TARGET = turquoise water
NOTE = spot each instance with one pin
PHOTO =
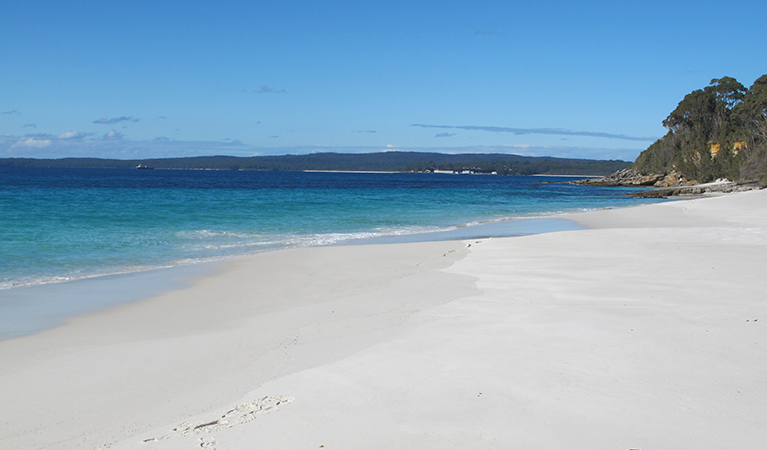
(66, 224)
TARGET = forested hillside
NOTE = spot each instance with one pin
(719, 131)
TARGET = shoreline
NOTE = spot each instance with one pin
(348, 171)
(27, 310)
(30, 309)
(404, 235)
(646, 330)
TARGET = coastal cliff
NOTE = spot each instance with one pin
(716, 141)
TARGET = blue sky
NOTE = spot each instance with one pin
(157, 79)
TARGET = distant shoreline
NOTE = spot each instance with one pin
(380, 162)
(349, 171)
(573, 176)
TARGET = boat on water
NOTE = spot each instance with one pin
(144, 167)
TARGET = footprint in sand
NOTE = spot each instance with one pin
(240, 414)
(208, 443)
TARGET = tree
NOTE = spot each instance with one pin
(752, 112)
(727, 90)
(694, 111)
(728, 93)
(707, 111)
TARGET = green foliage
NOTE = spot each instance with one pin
(752, 112)
(714, 132)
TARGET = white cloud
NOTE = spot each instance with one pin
(33, 143)
(73, 135)
(113, 135)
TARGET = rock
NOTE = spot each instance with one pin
(625, 177)
(670, 184)
(697, 189)
(672, 179)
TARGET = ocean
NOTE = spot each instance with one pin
(58, 226)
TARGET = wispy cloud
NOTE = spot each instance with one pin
(105, 121)
(440, 135)
(13, 111)
(29, 125)
(268, 90)
(554, 131)
(367, 131)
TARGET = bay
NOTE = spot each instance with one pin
(75, 241)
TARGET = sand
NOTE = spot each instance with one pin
(645, 331)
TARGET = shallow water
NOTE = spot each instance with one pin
(58, 226)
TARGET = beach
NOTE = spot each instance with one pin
(647, 330)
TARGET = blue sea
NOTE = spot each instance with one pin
(62, 225)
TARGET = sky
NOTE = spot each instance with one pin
(144, 79)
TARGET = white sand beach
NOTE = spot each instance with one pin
(646, 331)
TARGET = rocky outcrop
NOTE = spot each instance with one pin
(668, 184)
(632, 178)
(720, 186)
(673, 179)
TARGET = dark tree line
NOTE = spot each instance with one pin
(546, 166)
(714, 132)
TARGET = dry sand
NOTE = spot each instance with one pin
(646, 331)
